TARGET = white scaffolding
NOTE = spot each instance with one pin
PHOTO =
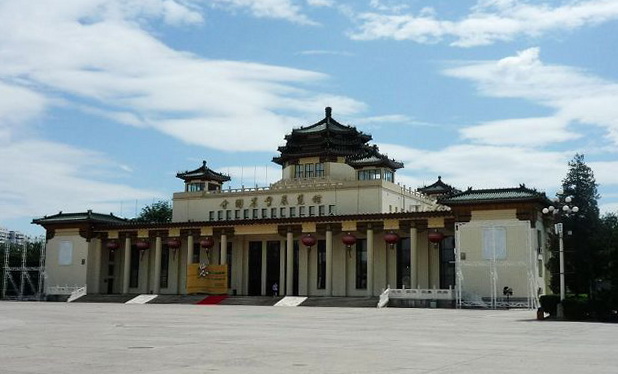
(20, 280)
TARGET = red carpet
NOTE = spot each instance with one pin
(212, 300)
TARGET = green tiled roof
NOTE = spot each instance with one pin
(520, 193)
(79, 217)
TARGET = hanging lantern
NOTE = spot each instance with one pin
(391, 239)
(435, 237)
(309, 241)
(173, 243)
(208, 242)
(349, 240)
(142, 245)
(113, 245)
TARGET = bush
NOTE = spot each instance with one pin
(576, 308)
(549, 303)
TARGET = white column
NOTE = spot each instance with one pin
(413, 256)
(370, 262)
(126, 265)
(282, 268)
(289, 280)
(263, 278)
(329, 262)
(156, 285)
(223, 254)
(95, 287)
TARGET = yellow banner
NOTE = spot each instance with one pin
(208, 279)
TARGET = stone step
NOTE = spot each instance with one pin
(178, 299)
(251, 300)
(103, 298)
(342, 302)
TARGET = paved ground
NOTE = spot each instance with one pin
(116, 338)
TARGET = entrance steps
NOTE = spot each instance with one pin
(178, 299)
(105, 298)
(251, 300)
(342, 302)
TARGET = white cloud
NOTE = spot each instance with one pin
(480, 166)
(47, 177)
(527, 132)
(278, 9)
(320, 52)
(489, 21)
(321, 3)
(577, 98)
(142, 82)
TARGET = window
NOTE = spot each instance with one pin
(264, 213)
(494, 243)
(319, 169)
(219, 215)
(308, 170)
(195, 258)
(245, 214)
(332, 210)
(292, 211)
(301, 211)
(237, 214)
(369, 174)
(361, 264)
(321, 210)
(255, 214)
(273, 212)
(321, 264)
(211, 215)
(298, 171)
(193, 187)
(282, 212)
(311, 211)
(389, 176)
(228, 215)
(65, 253)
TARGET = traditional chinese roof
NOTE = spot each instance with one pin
(438, 188)
(326, 138)
(515, 194)
(370, 156)
(203, 173)
(88, 216)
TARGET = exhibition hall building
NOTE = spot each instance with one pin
(337, 224)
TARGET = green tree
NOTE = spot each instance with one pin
(161, 211)
(582, 259)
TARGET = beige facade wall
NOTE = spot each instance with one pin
(66, 259)
(512, 271)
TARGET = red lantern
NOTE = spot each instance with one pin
(435, 237)
(308, 240)
(207, 242)
(113, 245)
(173, 243)
(349, 240)
(391, 239)
(142, 245)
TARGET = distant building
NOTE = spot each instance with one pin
(335, 224)
(11, 236)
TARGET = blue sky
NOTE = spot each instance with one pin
(103, 101)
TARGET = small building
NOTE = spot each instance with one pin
(337, 223)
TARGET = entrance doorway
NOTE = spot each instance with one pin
(255, 269)
(272, 265)
(403, 264)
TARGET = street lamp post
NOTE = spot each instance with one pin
(563, 207)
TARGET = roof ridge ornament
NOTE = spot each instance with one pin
(328, 111)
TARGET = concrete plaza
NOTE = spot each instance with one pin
(117, 338)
